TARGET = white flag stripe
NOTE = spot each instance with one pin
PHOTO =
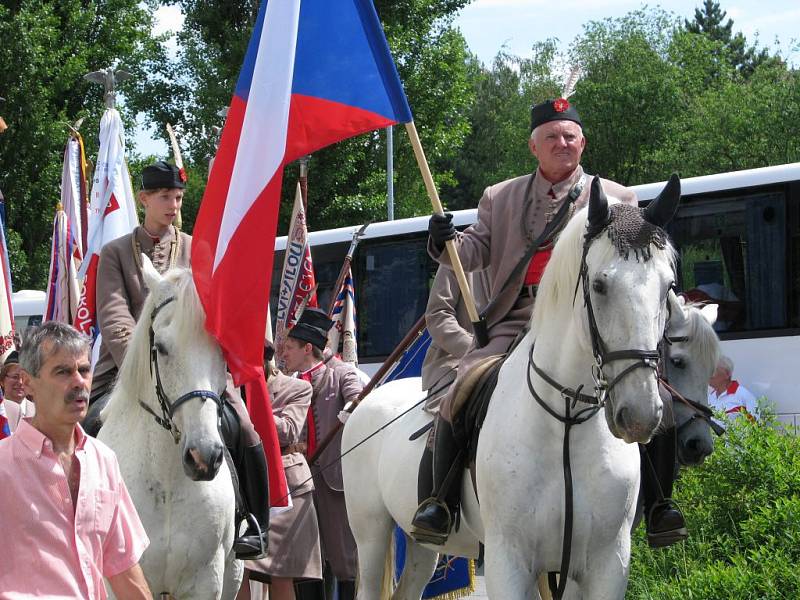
(262, 141)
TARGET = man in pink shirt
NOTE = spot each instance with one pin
(67, 519)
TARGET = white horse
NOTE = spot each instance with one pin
(691, 356)
(181, 487)
(520, 507)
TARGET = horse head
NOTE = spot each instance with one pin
(691, 356)
(186, 374)
(612, 268)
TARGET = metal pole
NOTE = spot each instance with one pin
(304, 182)
(390, 172)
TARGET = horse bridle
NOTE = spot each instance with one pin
(602, 389)
(168, 408)
(699, 410)
(602, 356)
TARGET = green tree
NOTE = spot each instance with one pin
(47, 48)
(709, 22)
(629, 95)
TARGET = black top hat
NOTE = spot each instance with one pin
(312, 327)
(553, 110)
(163, 175)
(12, 358)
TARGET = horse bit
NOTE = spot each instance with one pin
(168, 408)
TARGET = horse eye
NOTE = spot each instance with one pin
(678, 362)
(161, 349)
(599, 286)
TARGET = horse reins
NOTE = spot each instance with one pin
(643, 359)
(168, 408)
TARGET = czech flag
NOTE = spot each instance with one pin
(316, 72)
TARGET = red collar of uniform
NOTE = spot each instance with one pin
(306, 375)
(732, 387)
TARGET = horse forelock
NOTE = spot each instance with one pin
(557, 286)
(188, 316)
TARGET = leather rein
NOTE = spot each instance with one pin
(602, 388)
(168, 407)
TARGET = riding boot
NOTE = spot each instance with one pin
(433, 520)
(254, 485)
(347, 590)
(664, 520)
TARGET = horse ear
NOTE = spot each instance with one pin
(599, 214)
(151, 277)
(709, 311)
(661, 210)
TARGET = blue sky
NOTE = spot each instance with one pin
(489, 25)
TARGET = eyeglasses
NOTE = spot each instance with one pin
(15, 377)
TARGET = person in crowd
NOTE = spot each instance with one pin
(73, 523)
(16, 402)
(121, 293)
(294, 548)
(727, 395)
(511, 215)
(334, 384)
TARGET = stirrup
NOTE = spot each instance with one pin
(425, 535)
(245, 550)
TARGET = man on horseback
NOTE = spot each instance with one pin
(513, 216)
(121, 292)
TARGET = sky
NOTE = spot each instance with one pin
(514, 25)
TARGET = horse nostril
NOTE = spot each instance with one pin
(621, 418)
(188, 459)
(218, 459)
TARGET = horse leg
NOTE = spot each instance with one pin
(419, 568)
(606, 576)
(232, 579)
(375, 559)
(510, 575)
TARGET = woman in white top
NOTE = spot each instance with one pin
(17, 405)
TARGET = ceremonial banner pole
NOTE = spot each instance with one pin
(478, 324)
(376, 379)
(176, 152)
(348, 260)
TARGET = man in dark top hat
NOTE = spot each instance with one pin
(334, 384)
(511, 214)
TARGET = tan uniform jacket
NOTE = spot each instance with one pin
(498, 241)
(335, 384)
(121, 292)
(291, 399)
(450, 328)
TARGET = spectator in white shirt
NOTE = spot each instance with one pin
(727, 395)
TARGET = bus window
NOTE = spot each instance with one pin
(732, 252)
(392, 283)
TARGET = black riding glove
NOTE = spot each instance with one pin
(440, 228)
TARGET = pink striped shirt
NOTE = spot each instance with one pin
(50, 549)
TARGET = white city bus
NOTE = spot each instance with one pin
(738, 236)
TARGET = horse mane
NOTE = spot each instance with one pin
(701, 332)
(134, 377)
(561, 274)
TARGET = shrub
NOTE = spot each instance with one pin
(743, 513)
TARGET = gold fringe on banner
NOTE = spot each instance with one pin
(461, 592)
